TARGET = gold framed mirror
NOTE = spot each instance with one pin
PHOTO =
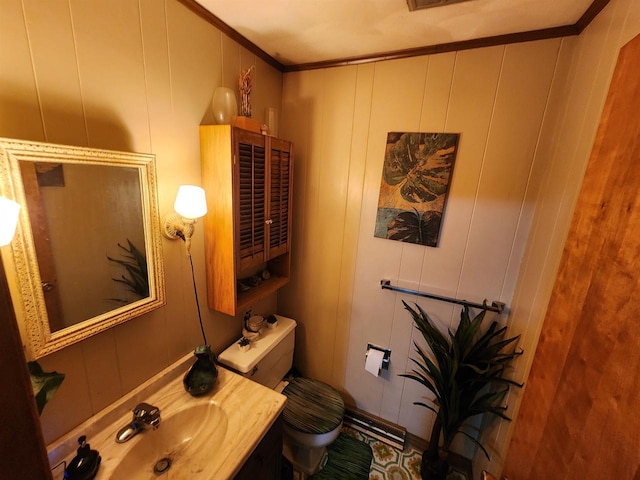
(87, 251)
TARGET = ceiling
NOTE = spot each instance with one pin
(298, 32)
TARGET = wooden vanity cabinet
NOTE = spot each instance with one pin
(265, 463)
(248, 179)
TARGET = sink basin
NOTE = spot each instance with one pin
(181, 447)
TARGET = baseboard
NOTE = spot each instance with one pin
(416, 442)
(375, 427)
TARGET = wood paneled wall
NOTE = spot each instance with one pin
(339, 118)
(578, 418)
(134, 75)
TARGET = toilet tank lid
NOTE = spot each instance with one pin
(245, 361)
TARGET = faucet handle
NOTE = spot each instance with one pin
(143, 409)
(147, 414)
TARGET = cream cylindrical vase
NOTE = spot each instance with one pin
(271, 119)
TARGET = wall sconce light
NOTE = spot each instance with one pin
(190, 205)
(9, 212)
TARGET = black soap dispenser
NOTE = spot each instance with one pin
(203, 374)
(84, 465)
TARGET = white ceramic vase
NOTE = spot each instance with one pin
(224, 105)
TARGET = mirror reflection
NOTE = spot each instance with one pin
(86, 254)
(89, 238)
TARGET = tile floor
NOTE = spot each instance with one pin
(390, 463)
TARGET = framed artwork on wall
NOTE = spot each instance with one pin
(415, 182)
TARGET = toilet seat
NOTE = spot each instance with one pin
(313, 407)
(312, 420)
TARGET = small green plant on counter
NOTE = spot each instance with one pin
(465, 373)
(136, 278)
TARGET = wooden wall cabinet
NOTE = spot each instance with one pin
(248, 179)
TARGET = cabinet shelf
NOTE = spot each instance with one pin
(267, 287)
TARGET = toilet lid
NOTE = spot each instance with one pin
(312, 407)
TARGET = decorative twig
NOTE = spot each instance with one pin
(245, 84)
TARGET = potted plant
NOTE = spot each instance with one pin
(465, 374)
(135, 264)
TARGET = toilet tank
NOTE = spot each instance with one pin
(270, 356)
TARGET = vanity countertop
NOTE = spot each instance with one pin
(250, 410)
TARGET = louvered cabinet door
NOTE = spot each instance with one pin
(251, 163)
(279, 200)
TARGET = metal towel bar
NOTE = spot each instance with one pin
(497, 307)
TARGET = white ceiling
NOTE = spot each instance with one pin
(306, 31)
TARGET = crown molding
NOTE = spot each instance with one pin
(563, 31)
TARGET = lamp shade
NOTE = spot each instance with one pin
(9, 211)
(191, 202)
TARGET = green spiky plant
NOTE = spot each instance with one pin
(137, 276)
(465, 373)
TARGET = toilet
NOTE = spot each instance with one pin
(312, 418)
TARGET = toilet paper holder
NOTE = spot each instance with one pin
(386, 357)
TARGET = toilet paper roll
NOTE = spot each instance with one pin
(373, 362)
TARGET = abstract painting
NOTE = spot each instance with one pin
(415, 182)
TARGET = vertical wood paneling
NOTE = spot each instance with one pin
(580, 347)
(231, 65)
(157, 80)
(630, 21)
(509, 172)
(534, 263)
(471, 98)
(112, 82)
(476, 93)
(100, 361)
(584, 71)
(312, 228)
(140, 75)
(267, 81)
(114, 90)
(297, 105)
(195, 57)
(510, 147)
(394, 406)
(56, 71)
(373, 323)
(166, 144)
(329, 220)
(323, 215)
(70, 405)
(435, 107)
(357, 159)
(20, 114)
(435, 104)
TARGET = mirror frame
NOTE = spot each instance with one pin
(20, 258)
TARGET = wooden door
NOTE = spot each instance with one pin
(24, 454)
(42, 244)
(579, 416)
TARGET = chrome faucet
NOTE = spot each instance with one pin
(145, 416)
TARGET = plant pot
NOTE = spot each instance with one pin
(433, 466)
